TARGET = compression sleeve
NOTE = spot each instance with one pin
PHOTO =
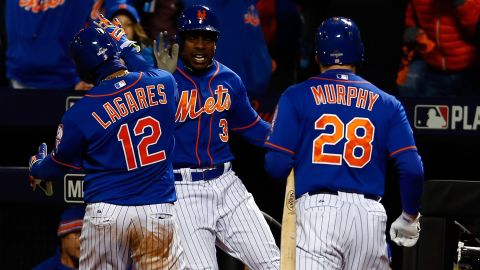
(48, 169)
(410, 176)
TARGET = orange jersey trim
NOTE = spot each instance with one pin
(211, 117)
(280, 148)
(249, 125)
(119, 91)
(65, 164)
(199, 117)
(402, 149)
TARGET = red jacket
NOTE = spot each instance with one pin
(448, 31)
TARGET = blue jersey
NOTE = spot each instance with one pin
(209, 106)
(38, 34)
(53, 263)
(340, 131)
(121, 134)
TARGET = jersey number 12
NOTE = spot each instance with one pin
(145, 157)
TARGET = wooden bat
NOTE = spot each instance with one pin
(45, 186)
(288, 234)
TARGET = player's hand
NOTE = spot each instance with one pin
(42, 153)
(45, 186)
(405, 230)
(116, 31)
(166, 52)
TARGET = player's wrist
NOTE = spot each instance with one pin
(410, 217)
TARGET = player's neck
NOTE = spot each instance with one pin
(116, 74)
(349, 67)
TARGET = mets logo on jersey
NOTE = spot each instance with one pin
(36, 6)
(187, 105)
(431, 116)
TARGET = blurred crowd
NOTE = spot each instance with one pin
(413, 48)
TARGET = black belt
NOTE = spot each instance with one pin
(332, 192)
(205, 174)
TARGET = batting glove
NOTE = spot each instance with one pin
(116, 31)
(405, 230)
(42, 153)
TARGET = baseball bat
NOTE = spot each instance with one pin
(48, 190)
(288, 233)
(45, 186)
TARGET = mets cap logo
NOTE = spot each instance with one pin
(201, 14)
(431, 116)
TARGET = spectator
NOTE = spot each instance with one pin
(38, 34)
(162, 16)
(67, 254)
(281, 22)
(441, 57)
(130, 20)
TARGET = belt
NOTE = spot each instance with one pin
(194, 174)
(332, 192)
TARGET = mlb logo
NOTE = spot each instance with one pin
(120, 84)
(431, 117)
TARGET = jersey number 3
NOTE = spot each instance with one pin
(146, 158)
(354, 141)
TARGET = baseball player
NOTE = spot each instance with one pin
(337, 131)
(121, 134)
(214, 207)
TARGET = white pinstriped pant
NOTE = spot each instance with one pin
(344, 231)
(222, 212)
(119, 237)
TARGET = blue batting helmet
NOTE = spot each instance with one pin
(91, 49)
(338, 42)
(198, 17)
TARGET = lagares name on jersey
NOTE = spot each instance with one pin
(130, 102)
(188, 101)
(348, 96)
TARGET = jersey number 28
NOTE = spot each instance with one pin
(356, 159)
(145, 157)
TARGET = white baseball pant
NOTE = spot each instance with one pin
(221, 211)
(119, 237)
(344, 231)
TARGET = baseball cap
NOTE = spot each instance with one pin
(122, 8)
(71, 220)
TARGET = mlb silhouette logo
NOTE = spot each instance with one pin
(431, 116)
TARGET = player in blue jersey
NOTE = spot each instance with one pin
(337, 132)
(121, 135)
(214, 207)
